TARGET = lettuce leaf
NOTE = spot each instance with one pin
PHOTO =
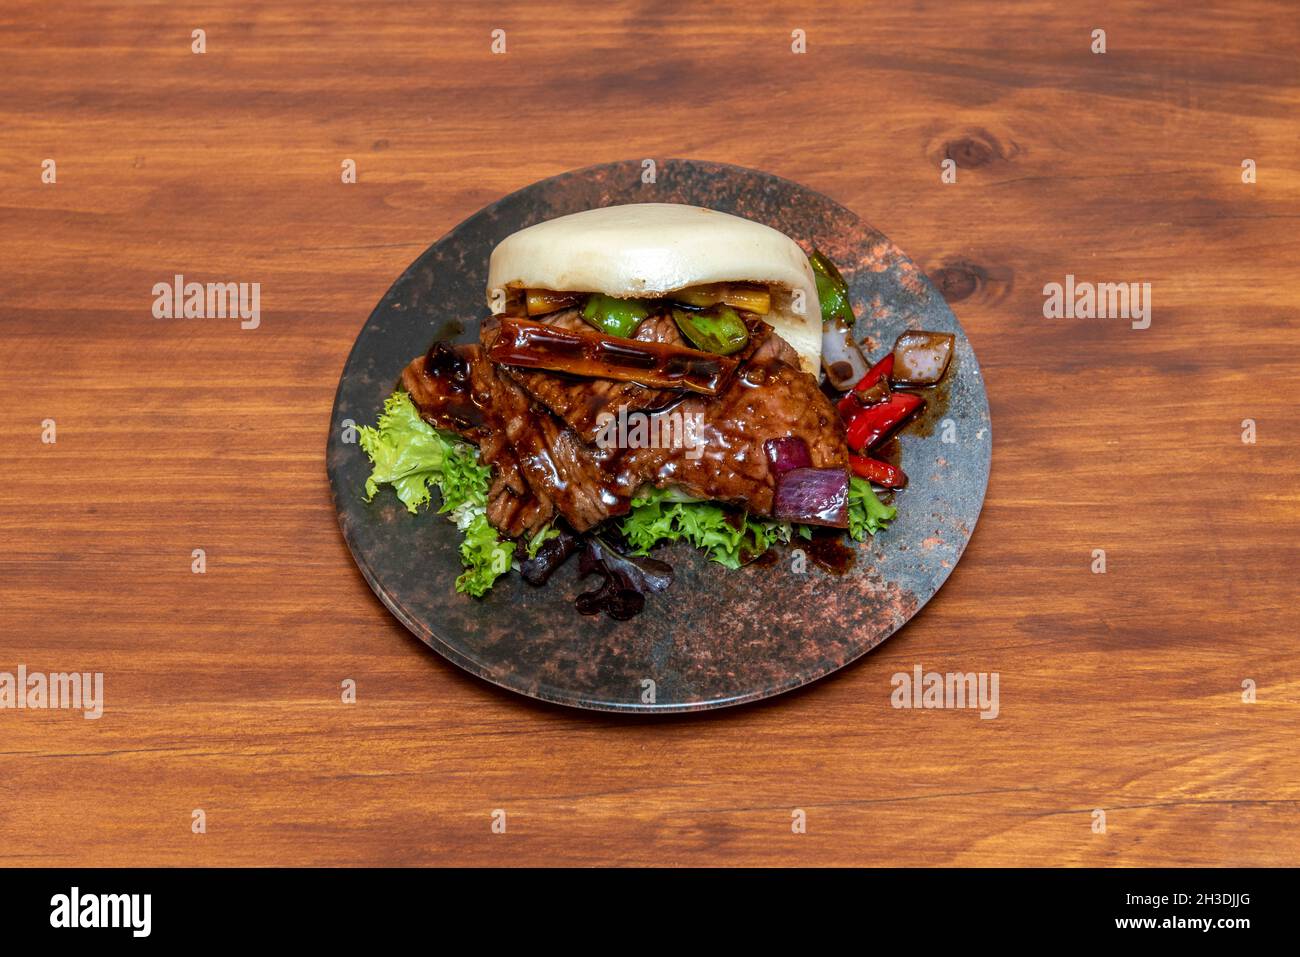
(867, 514)
(406, 452)
(414, 458)
(539, 538)
(659, 515)
(485, 557)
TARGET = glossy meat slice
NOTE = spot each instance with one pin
(583, 403)
(769, 398)
(444, 385)
(539, 465)
(440, 385)
(580, 403)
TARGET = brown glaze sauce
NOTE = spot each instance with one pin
(936, 405)
(828, 550)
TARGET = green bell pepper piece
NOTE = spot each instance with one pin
(615, 317)
(718, 329)
(832, 290)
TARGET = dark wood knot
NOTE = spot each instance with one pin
(959, 280)
(971, 152)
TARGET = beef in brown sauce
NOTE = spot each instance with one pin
(538, 429)
(768, 399)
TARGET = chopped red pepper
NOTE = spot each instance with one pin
(852, 403)
(850, 408)
(876, 422)
(881, 370)
(881, 473)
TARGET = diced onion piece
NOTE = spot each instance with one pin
(542, 301)
(752, 297)
(921, 358)
(841, 357)
(784, 454)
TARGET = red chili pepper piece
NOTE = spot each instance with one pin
(881, 370)
(849, 407)
(855, 400)
(881, 473)
(876, 422)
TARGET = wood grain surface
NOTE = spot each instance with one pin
(1120, 691)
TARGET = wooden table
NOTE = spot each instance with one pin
(1120, 691)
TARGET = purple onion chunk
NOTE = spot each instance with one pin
(786, 453)
(813, 497)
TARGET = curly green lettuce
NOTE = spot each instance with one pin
(485, 557)
(662, 515)
(867, 514)
(414, 458)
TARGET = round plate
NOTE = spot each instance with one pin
(716, 637)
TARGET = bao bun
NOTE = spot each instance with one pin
(652, 249)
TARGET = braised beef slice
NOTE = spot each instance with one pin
(580, 402)
(539, 465)
(439, 385)
(450, 397)
(583, 403)
(768, 399)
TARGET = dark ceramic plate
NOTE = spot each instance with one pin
(716, 637)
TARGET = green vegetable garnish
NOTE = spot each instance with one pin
(615, 317)
(718, 329)
(832, 290)
(485, 557)
(414, 457)
(543, 535)
(867, 514)
(658, 516)
(662, 515)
